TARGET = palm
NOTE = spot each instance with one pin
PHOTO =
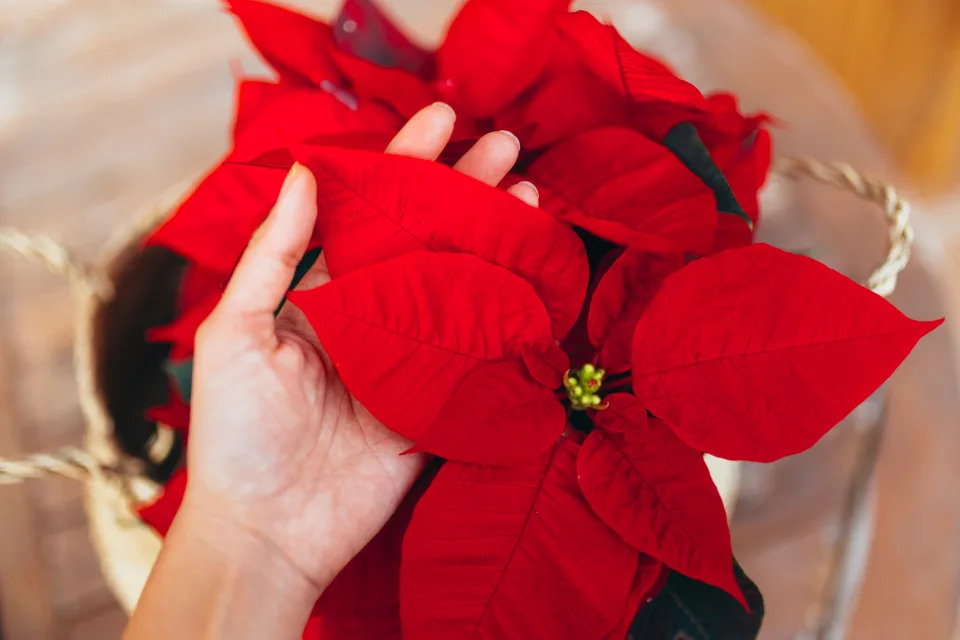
(278, 444)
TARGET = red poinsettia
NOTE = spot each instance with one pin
(456, 310)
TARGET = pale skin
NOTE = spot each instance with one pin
(289, 475)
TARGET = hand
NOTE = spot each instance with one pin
(279, 449)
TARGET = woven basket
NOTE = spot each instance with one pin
(119, 375)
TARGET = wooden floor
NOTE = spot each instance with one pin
(105, 103)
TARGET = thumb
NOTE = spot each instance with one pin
(266, 268)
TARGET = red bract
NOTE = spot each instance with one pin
(419, 338)
(623, 187)
(159, 512)
(656, 492)
(621, 297)
(378, 206)
(455, 310)
(496, 552)
(484, 74)
(753, 354)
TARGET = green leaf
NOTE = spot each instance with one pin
(181, 374)
(689, 610)
(684, 141)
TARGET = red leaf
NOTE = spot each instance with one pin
(401, 90)
(547, 363)
(303, 52)
(623, 187)
(649, 572)
(412, 335)
(363, 601)
(623, 412)
(374, 37)
(496, 415)
(755, 353)
(621, 298)
(175, 414)
(297, 46)
(271, 116)
(494, 49)
(587, 103)
(214, 224)
(197, 285)
(182, 332)
(159, 513)
(656, 492)
(512, 552)
(376, 206)
(745, 165)
(633, 74)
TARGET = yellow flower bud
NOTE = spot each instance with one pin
(588, 370)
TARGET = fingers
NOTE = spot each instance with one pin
(263, 274)
(426, 133)
(527, 192)
(491, 158)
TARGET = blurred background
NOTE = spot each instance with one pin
(105, 104)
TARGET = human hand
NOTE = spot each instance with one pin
(279, 449)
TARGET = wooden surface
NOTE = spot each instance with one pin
(105, 103)
(901, 61)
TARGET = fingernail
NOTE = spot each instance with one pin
(291, 177)
(513, 137)
(448, 108)
(531, 185)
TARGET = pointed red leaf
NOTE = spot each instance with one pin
(656, 492)
(160, 512)
(197, 285)
(633, 74)
(588, 103)
(621, 298)
(304, 52)
(406, 336)
(512, 552)
(271, 116)
(376, 206)
(623, 412)
(297, 46)
(623, 187)
(755, 353)
(645, 583)
(181, 332)
(363, 30)
(175, 414)
(405, 92)
(214, 224)
(494, 49)
(496, 415)
(745, 164)
(547, 363)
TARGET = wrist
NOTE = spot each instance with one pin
(241, 554)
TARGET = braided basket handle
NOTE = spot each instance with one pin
(896, 211)
(74, 463)
(56, 259)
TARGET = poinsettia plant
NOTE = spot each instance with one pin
(569, 365)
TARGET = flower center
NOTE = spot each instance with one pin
(583, 387)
